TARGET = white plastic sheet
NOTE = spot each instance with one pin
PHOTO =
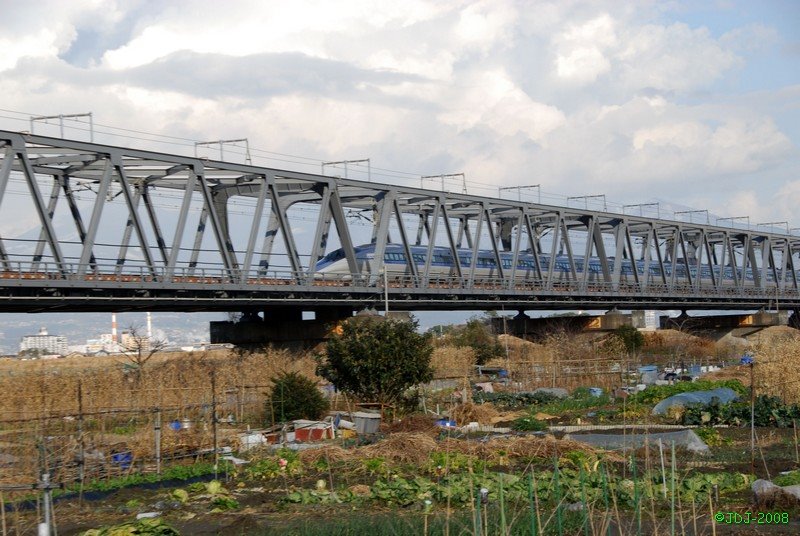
(723, 394)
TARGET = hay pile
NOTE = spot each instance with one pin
(329, 453)
(774, 335)
(524, 447)
(776, 370)
(526, 351)
(402, 448)
(469, 412)
(452, 362)
(422, 424)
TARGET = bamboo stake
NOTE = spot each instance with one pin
(532, 504)
(796, 451)
(672, 493)
(663, 470)
(605, 498)
(680, 516)
(214, 421)
(585, 504)
(557, 487)
(3, 513)
(503, 528)
(636, 498)
(616, 507)
(475, 522)
(81, 443)
(449, 487)
(536, 502)
(711, 514)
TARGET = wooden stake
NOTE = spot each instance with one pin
(3, 513)
(81, 444)
(214, 420)
(711, 513)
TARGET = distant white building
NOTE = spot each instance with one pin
(43, 343)
(129, 343)
(104, 344)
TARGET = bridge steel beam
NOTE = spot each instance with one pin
(505, 253)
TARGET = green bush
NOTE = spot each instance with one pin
(514, 400)
(477, 335)
(631, 337)
(377, 360)
(295, 396)
(529, 424)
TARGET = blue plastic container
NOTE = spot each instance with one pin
(122, 459)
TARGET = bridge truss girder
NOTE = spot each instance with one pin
(150, 270)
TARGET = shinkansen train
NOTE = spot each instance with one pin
(442, 264)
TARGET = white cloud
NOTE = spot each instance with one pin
(495, 101)
(583, 97)
(674, 57)
(581, 55)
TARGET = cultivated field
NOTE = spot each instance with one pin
(122, 441)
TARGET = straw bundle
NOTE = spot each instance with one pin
(776, 371)
(330, 453)
(402, 448)
(522, 447)
(422, 424)
(452, 362)
(469, 412)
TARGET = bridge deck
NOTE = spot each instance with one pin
(134, 252)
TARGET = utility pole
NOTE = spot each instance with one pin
(774, 224)
(519, 191)
(346, 162)
(222, 143)
(61, 118)
(734, 218)
(586, 200)
(442, 178)
(641, 206)
(690, 212)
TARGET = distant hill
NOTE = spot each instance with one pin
(177, 328)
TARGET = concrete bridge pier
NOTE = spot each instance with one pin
(281, 326)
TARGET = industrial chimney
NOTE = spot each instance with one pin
(114, 327)
(149, 327)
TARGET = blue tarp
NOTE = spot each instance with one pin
(723, 394)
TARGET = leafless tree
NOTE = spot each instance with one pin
(139, 348)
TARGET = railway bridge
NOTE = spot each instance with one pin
(92, 227)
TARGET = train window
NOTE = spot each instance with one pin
(419, 258)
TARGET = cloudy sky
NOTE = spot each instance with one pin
(696, 103)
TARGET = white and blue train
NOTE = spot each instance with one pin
(442, 265)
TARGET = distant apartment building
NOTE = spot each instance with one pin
(43, 344)
(105, 344)
(130, 343)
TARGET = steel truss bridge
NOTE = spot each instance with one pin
(232, 240)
